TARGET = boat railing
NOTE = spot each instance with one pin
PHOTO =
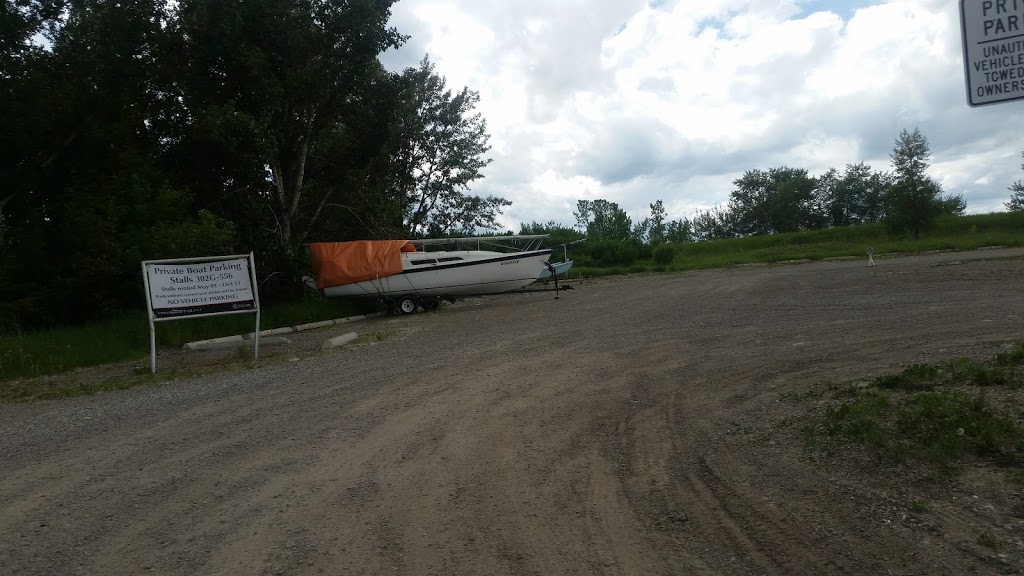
(531, 242)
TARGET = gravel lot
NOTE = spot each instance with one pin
(630, 427)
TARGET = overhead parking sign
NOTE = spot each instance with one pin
(993, 40)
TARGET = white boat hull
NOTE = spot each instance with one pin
(465, 273)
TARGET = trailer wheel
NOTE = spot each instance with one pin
(406, 305)
(430, 304)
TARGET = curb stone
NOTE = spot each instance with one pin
(223, 342)
(242, 338)
(340, 340)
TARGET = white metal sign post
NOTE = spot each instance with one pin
(210, 286)
(993, 42)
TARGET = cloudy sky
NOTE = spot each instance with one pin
(634, 101)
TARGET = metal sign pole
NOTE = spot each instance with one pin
(256, 295)
(152, 325)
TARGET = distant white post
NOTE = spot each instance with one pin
(871, 257)
(208, 286)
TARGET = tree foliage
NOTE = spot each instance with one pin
(559, 234)
(89, 197)
(147, 129)
(715, 224)
(679, 231)
(778, 200)
(915, 199)
(273, 93)
(1016, 201)
(603, 220)
(856, 197)
(441, 154)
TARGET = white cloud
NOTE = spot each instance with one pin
(635, 101)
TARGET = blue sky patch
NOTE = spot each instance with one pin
(843, 8)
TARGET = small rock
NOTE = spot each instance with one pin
(678, 517)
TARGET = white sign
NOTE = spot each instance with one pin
(993, 41)
(191, 289)
(214, 285)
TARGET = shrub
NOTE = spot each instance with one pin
(611, 253)
(664, 254)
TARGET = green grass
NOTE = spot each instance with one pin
(952, 233)
(935, 413)
(917, 377)
(126, 337)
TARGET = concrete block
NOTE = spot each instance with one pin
(271, 332)
(314, 325)
(340, 340)
(273, 341)
(216, 343)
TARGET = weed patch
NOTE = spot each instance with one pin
(967, 371)
(1012, 357)
(927, 412)
(917, 377)
(943, 426)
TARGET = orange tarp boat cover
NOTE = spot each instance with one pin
(339, 263)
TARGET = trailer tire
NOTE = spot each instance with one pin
(430, 304)
(406, 305)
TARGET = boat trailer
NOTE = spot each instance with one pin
(408, 303)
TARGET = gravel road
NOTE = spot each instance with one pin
(593, 434)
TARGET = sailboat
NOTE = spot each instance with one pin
(408, 273)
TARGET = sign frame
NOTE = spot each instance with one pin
(153, 318)
(975, 44)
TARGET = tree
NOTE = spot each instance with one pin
(856, 197)
(952, 205)
(651, 230)
(88, 198)
(656, 229)
(914, 201)
(778, 200)
(679, 231)
(640, 230)
(272, 97)
(559, 233)
(603, 220)
(442, 153)
(1016, 201)
(714, 224)
(24, 72)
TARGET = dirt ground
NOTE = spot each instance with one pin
(634, 426)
